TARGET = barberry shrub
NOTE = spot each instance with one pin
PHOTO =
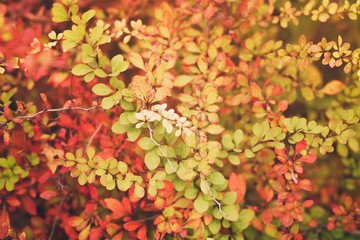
(187, 119)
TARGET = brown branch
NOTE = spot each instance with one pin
(56, 216)
(31, 116)
(93, 136)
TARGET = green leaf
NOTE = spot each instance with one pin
(249, 154)
(87, 49)
(118, 65)
(234, 159)
(152, 160)
(238, 136)
(229, 198)
(245, 216)
(200, 204)
(108, 102)
(81, 69)
(119, 128)
(214, 226)
(100, 73)
(133, 134)
(232, 212)
(191, 193)
(59, 13)
(146, 144)
(101, 89)
(88, 15)
(139, 191)
(96, 33)
(227, 141)
(89, 77)
(217, 178)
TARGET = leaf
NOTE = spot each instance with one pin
(133, 134)
(118, 65)
(136, 59)
(229, 198)
(100, 73)
(200, 204)
(183, 80)
(132, 225)
(48, 194)
(88, 15)
(232, 212)
(140, 87)
(215, 129)
(202, 64)
(333, 87)
(152, 160)
(271, 230)
(81, 69)
(101, 89)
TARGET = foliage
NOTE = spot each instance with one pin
(203, 119)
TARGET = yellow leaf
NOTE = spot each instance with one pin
(136, 59)
(140, 87)
(53, 155)
(202, 64)
(332, 88)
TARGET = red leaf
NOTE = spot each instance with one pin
(7, 112)
(309, 158)
(141, 234)
(43, 97)
(13, 202)
(75, 221)
(209, 11)
(287, 220)
(6, 138)
(307, 203)
(93, 193)
(116, 206)
(48, 194)
(44, 176)
(113, 204)
(300, 146)
(132, 226)
(29, 205)
(95, 233)
(282, 106)
(330, 226)
(267, 216)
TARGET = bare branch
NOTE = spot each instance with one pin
(92, 136)
(216, 201)
(159, 146)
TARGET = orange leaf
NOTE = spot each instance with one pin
(215, 129)
(287, 220)
(48, 194)
(332, 88)
(6, 138)
(116, 206)
(282, 106)
(43, 97)
(136, 59)
(140, 87)
(29, 205)
(132, 226)
(267, 216)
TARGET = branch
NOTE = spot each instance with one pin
(216, 201)
(56, 216)
(92, 136)
(159, 146)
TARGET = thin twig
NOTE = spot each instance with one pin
(92, 136)
(216, 201)
(56, 216)
(159, 146)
